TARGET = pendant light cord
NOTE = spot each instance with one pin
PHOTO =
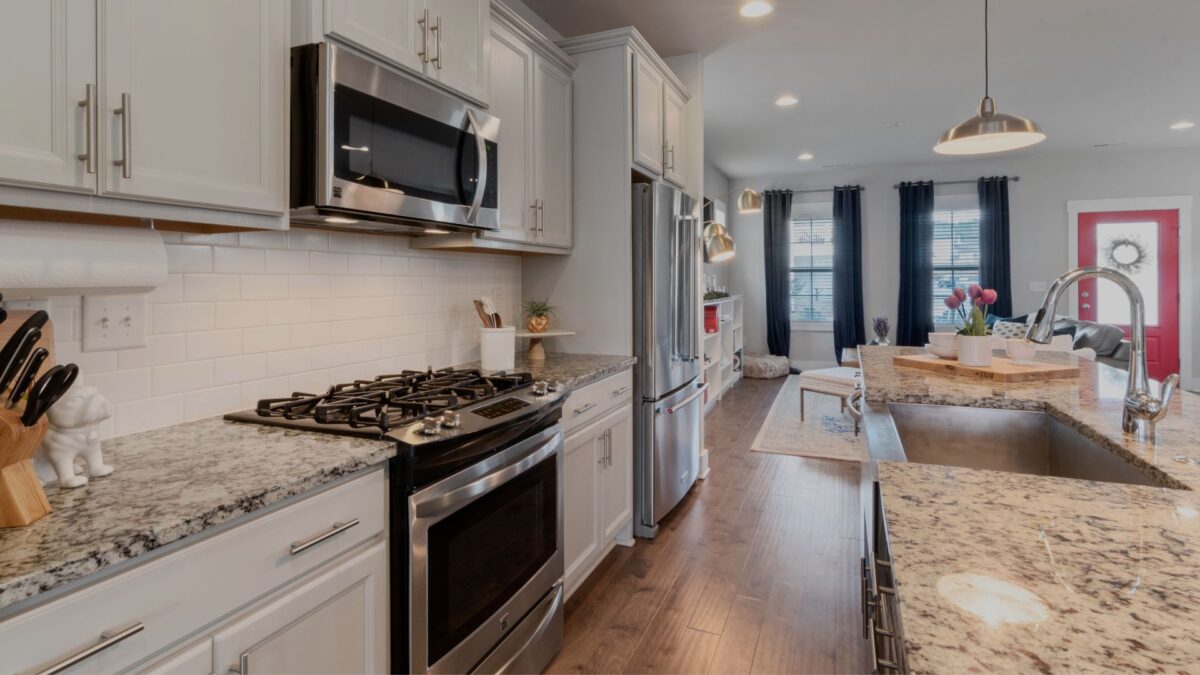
(986, 58)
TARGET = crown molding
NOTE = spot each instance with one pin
(624, 37)
(544, 47)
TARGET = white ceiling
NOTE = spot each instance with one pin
(1089, 71)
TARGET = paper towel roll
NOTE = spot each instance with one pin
(39, 259)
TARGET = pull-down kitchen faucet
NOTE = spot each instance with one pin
(1142, 409)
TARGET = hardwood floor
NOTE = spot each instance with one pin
(756, 571)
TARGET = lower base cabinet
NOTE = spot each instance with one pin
(598, 492)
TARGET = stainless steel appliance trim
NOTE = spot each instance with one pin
(481, 173)
(108, 638)
(437, 501)
(684, 403)
(88, 157)
(506, 658)
(126, 161)
(335, 530)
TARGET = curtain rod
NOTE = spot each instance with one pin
(1015, 179)
(814, 190)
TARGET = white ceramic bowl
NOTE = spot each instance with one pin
(1020, 350)
(942, 352)
(944, 340)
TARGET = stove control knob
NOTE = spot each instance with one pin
(554, 385)
(451, 420)
(540, 388)
(430, 426)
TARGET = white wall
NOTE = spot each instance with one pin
(256, 315)
(1038, 222)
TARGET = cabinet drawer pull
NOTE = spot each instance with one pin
(126, 161)
(108, 638)
(437, 41)
(338, 528)
(89, 130)
(622, 390)
(583, 409)
(423, 22)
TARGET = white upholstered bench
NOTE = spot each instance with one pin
(839, 382)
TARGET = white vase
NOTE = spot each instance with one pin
(975, 350)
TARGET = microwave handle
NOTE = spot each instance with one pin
(481, 175)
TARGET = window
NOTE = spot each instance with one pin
(811, 253)
(955, 256)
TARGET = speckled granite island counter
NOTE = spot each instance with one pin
(573, 370)
(1100, 576)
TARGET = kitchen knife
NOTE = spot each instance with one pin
(15, 343)
(49, 388)
(19, 354)
(36, 359)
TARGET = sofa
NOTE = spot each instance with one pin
(1107, 340)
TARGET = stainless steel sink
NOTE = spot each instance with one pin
(1006, 440)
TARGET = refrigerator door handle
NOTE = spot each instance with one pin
(684, 403)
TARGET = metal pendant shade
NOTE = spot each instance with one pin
(718, 245)
(749, 201)
(989, 131)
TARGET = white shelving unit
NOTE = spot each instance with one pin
(723, 349)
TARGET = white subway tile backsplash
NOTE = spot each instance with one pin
(257, 315)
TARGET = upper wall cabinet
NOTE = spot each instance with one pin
(446, 41)
(116, 99)
(658, 119)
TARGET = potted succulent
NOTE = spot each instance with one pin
(537, 315)
(974, 339)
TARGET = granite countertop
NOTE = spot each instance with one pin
(168, 484)
(1101, 574)
(178, 481)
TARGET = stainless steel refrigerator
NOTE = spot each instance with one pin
(666, 338)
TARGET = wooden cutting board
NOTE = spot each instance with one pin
(1001, 370)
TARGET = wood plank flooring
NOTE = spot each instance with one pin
(756, 571)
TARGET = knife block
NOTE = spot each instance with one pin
(22, 500)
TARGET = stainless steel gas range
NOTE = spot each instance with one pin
(476, 510)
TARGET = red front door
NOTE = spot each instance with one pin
(1144, 245)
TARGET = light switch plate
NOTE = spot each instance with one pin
(113, 322)
(1038, 286)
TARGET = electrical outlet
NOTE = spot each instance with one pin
(113, 322)
(1038, 286)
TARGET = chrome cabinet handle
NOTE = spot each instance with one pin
(682, 404)
(671, 151)
(534, 228)
(608, 447)
(583, 409)
(622, 390)
(108, 638)
(437, 41)
(338, 528)
(88, 157)
(126, 161)
(541, 219)
(423, 22)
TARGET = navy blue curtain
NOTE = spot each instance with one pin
(777, 217)
(994, 269)
(914, 316)
(848, 328)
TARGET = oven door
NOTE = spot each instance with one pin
(486, 551)
(396, 147)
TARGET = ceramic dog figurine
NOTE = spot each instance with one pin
(74, 431)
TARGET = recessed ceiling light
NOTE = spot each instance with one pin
(805, 156)
(786, 100)
(338, 220)
(1182, 124)
(756, 8)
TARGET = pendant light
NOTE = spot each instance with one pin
(989, 131)
(749, 201)
(718, 245)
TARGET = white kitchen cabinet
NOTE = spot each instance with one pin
(459, 43)
(552, 116)
(616, 499)
(512, 101)
(195, 659)
(389, 29)
(333, 622)
(581, 504)
(648, 147)
(196, 115)
(49, 51)
(674, 142)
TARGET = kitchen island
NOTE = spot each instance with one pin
(1005, 572)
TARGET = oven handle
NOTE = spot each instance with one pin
(481, 174)
(433, 506)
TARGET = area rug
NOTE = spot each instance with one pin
(825, 432)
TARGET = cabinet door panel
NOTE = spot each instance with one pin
(49, 51)
(616, 511)
(674, 137)
(512, 67)
(553, 166)
(647, 115)
(581, 523)
(208, 104)
(387, 28)
(460, 45)
(335, 622)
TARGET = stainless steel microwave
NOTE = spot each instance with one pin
(373, 149)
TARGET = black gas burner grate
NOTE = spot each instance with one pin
(391, 401)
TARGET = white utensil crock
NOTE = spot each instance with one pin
(975, 350)
(497, 348)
